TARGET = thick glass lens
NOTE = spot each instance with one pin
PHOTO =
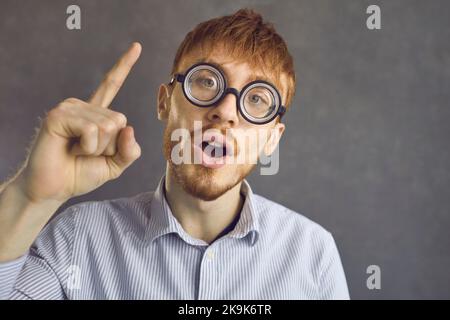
(259, 102)
(204, 85)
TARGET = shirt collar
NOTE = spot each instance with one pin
(163, 222)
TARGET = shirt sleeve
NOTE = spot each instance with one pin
(9, 272)
(332, 282)
(43, 272)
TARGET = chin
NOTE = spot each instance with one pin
(205, 183)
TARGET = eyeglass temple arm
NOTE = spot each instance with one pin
(178, 77)
(282, 111)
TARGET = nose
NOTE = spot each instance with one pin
(225, 111)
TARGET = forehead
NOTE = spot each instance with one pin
(237, 71)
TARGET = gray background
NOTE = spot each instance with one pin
(366, 150)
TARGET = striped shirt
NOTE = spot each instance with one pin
(134, 248)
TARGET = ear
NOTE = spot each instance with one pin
(163, 102)
(274, 138)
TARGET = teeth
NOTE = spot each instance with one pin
(218, 149)
(215, 144)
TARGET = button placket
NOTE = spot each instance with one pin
(208, 274)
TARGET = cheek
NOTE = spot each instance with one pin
(176, 106)
(251, 142)
(183, 112)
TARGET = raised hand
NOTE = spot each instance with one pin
(82, 145)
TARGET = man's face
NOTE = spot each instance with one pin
(204, 180)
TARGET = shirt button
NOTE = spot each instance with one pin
(210, 254)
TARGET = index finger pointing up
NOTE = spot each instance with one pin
(114, 79)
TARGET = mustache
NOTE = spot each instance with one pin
(221, 129)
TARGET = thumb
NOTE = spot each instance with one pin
(128, 150)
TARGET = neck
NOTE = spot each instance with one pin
(201, 219)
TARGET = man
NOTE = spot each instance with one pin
(202, 234)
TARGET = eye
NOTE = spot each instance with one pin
(257, 99)
(206, 82)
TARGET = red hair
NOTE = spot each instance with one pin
(246, 37)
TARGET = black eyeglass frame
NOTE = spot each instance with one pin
(224, 90)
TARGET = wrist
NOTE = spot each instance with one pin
(24, 198)
(21, 220)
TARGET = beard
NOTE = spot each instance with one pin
(199, 181)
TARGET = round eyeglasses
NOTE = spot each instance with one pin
(204, 85)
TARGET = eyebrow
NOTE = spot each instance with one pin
(252, 77)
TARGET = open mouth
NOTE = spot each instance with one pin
(214, 149)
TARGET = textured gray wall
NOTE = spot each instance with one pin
(366, 151)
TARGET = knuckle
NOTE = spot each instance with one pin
(64, 107)
(120, 118)
(71, 100)
(55, 113)
(90, 128)
(108, 126)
